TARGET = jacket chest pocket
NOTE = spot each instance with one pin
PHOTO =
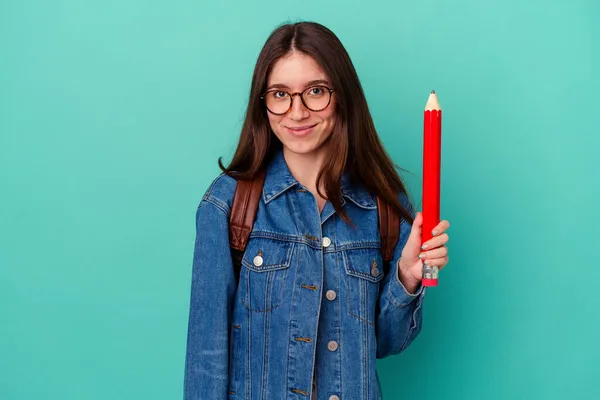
(265, 266)
(364, 271)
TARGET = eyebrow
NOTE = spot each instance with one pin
(308, 84)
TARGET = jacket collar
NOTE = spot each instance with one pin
(279, 179)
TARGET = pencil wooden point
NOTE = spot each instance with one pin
(433, 103)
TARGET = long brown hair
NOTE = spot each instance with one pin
(358, 149)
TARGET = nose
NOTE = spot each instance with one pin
(298, 112)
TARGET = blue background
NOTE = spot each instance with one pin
(113, 114)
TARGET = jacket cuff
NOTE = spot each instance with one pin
(398, 293)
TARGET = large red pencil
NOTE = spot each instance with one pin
(432, 154)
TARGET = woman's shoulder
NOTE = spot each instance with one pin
(220, 191)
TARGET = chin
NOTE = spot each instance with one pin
(311, 144)
(299, 147)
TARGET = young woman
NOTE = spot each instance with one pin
(313, 305)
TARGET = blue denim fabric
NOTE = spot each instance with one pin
(314, 303)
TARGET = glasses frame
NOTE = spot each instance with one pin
(292, 95)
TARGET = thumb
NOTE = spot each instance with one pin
(413, 244)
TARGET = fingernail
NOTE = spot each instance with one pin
(434, 232)
(422, 256)
(425, 246)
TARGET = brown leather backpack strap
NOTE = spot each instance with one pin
(243, 210)
(389, 228)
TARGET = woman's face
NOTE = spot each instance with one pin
(301, 130)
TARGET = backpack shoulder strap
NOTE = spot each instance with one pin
(243, 210)
(242, 216)
(389, 228)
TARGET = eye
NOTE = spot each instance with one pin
(279, 95)
(316, 91)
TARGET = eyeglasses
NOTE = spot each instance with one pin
(315, 98)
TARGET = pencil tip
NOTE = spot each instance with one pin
(433, 92)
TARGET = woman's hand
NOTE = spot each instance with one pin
(433, 253)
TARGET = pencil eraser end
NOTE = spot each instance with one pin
(429, 282)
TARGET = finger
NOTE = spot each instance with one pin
(437, 262)
(417, 224)
(436, 241)
(435, 253)
(440, 228)
(413, 242)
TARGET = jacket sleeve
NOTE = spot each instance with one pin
(213, 289)
(400, 313)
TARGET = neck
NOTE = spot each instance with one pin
(305, 167)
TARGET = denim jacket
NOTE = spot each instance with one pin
(313, 307)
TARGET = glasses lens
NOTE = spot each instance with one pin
(277, 101)
(316, 98)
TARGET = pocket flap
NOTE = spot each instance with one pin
(264, 254)
(364, 263)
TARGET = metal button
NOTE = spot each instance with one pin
(331, 295)
(332, 345)
(374, 271)
(334, 397)
(326, 241)
(258, 261)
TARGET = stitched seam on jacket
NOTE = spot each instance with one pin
(215, 202)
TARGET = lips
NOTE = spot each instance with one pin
(300, 131)
(301, 128)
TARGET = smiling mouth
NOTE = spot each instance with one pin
(300, 128)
